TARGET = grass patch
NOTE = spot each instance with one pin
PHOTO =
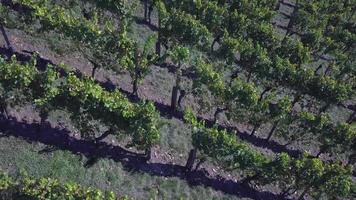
(17, 154)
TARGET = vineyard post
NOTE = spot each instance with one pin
(255, 128)
(3, 107)
(104, 135)
(191, 159)
(95, 67)
(275, 124)
(182, 94)
(256, 123)
(146, 9)
(6, 37)
(158, 43)
(161, 14)
(175, 90)
(148, 154)
(135, 75)
(279, 111)
(179, 55)
(150, 9)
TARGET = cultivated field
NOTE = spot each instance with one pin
(177, 99)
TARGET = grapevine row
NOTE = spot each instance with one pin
(276, 67)
(280, 70)
(265, 53)
(243, 157)
(244, 103)
(112, 47)
(84, 99)
(306, 175)
(254, 58)
(25, 187)
(261, 53)
(325, 26)
(260, 66)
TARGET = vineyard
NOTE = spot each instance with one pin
(190, 99)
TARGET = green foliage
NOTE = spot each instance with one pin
(334, 139)
(140, 59)
(110, 46)
(179, 54)
(314, 17)
(229, 47)
(282, 108)
(311, 175)
(123, 8)
(209, 13)
(184, 28)
(243, 93)
(294, 50)
(246, 41)
(50, 189)
(5, 181)
(15, 75)
(263, 34)
(83, 97)
(205, 75)
(223, 148)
